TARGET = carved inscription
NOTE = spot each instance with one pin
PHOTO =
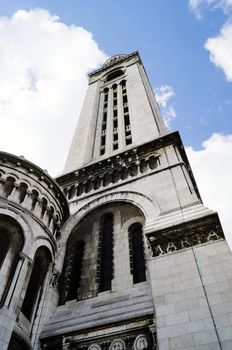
(171, 242)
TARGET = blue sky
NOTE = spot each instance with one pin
(48, 47)
(170, 40)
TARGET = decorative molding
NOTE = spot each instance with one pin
(140, 343)
(117, 344)
(185, 235)
(94, 346)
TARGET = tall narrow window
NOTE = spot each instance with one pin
(34, 289)
(71, 276)
(4, 238)
(137, 253)
(128, 136)
(115, 117)
(106, 252)
(75, 269)
(104, 122)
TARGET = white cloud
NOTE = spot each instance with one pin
(198, 6)
(163, 95)
(220, 48)
(212, 168)
(43, 66)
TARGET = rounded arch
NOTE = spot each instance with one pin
(134, 220)
(12, 242)
(149, 208)
(33, 294)
(41, 241)
(22, 223)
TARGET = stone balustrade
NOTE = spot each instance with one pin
(30, 187)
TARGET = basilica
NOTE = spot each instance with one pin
(119, 252)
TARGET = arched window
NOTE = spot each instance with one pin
(106, 252)
(4, 239)
(71, 276)
(11, 244)
(75, 263)
(34, 289)
(114, 74)
(137, 253)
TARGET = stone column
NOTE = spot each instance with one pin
(10, 311)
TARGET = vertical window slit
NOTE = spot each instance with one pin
(137, 259)
(106, 252)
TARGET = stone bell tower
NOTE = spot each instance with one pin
(142, 263)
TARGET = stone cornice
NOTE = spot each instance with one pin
(106, 169)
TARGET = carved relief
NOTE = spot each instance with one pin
(54, 279)
(130, 340)
(117, 344)
(94, 347)
(183, 237)
(140, 342)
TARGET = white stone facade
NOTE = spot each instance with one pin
(139, 263)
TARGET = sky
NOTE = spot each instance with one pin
(47, 47)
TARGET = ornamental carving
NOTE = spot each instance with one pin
(185, 236)
(54, 279)
(117, 344)
(140, 342)
(137, 162)
(94, 347)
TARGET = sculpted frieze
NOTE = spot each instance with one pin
(171, 241)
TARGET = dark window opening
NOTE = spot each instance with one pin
(104, 117)
(115, 102)
(115, 123)
(102, 151)
(97, 183)
(9, 185)
(80, 189)
(17, 343)
(123, 83)
(103, 126)
(72, 192)
(115, 94)
(153, 162)
(34, 288)
(114, 74)
(74, 269)
(137, 253)
(115, 113)
(103, 140)
(44, 203)
(106, 97)
(127, 120)
(106, 252)
(115, 137)
(4, 246)
(124, 98)
(128, 141)
(34, 196)
(115, 146)
(126, 110)
(128, 132)
(105, 105)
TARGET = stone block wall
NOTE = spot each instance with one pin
(192, 293)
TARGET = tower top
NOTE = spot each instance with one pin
(113, 61)
(119, 112)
